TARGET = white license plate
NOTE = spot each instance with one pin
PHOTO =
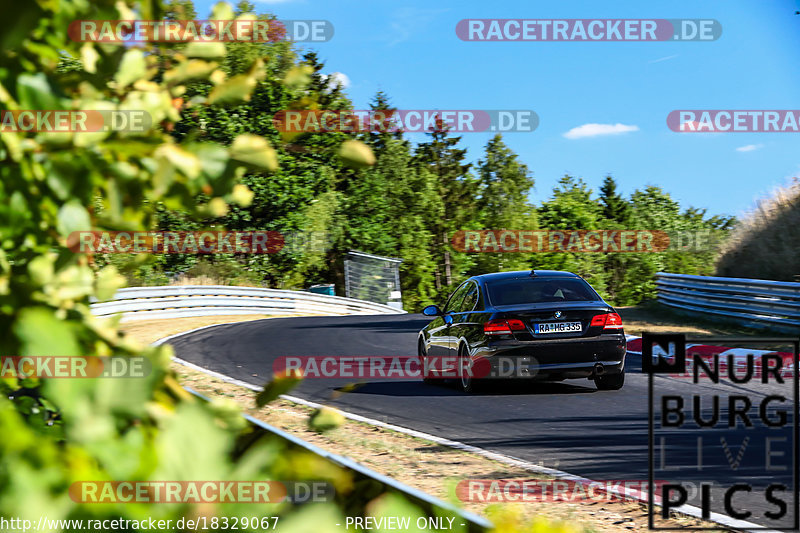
(556, 327)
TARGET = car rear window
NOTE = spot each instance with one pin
(539, 290)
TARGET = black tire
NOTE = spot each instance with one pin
(468, 383)
(610, 381)
(422, 356)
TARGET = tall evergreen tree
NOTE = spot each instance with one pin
(245, 6)
(615, 207)
(378, 135)
(456, 188)
(328, 95)
(504, 183)
(179, 10)
(616, 211)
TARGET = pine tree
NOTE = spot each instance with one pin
(456, 188)
(179, 10)
(615, 207)
(328, 95)
(377, 137)
(504, 184)
(617, 212)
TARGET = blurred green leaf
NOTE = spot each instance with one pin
(325, 419)
(242, 195)
(233, 91)
(108, 282)
(255, 151)
(205, 50)
(185, 161)
(41, 333)
(356, 154)
(132, 68)
(394, 505)
(279, 385)
(34, 92)
(298, 76)
(89, 57)
(73, 217)
(192, 69)
(41, 269)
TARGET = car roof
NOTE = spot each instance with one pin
(520, 274)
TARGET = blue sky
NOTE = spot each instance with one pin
(410, 50)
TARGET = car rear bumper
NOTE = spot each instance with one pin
(556, 358)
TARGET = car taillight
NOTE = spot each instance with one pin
(502, 326)
(607, 321)
(614, 321)
(598, 320)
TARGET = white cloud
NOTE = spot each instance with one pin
(595, 130)
(338, 77)
(665, 58)
(749, 147)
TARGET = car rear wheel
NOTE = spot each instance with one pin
(610, 381)
(468, 383)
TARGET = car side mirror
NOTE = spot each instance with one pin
(432, 310)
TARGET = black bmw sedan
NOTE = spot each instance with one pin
(542, 324)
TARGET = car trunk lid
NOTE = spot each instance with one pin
(555, 321)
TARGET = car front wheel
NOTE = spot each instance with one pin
(423, 357)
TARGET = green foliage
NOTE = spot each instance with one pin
(616, 212)
(572, 208)
(628, 278)
(504, 184)
(614, 206)
(456, 189)
(213, 159)
(387, 212)
(67, 430)
(328, 194)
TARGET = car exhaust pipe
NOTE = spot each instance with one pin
(599, 369)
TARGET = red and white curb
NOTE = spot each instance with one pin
(635, 347)
(707, 353)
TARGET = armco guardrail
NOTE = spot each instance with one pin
(755, 302)
(177, 301)
(370, 483)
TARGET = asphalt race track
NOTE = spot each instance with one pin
(566, 425)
